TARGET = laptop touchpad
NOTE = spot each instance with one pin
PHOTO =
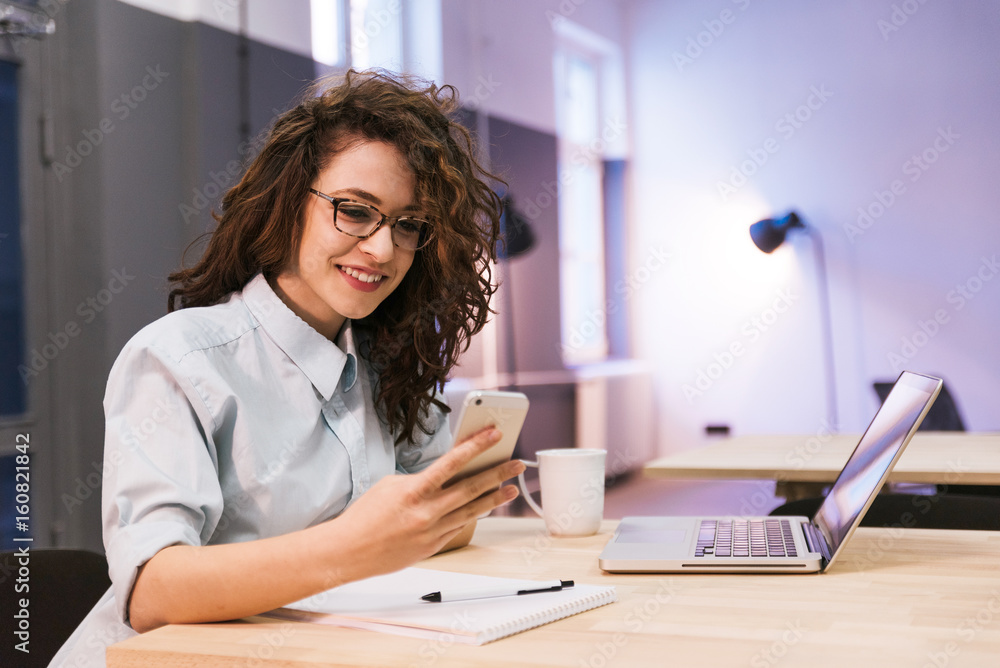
(660, 536)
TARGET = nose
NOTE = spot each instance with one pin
(379, 245)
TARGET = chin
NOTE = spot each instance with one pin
(356, 311)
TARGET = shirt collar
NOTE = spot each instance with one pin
(325, 364)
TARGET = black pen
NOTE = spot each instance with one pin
(491, 592)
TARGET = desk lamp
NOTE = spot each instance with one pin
(769, 234)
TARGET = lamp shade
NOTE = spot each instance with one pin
(770, 233)
(516, 235)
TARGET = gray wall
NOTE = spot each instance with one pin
(158, 102)
(527, 160)
(530, 308)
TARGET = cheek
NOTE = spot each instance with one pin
(321, 249)
(404, 267)
(311, 258)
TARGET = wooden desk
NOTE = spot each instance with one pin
(899, 597)
(932, 457)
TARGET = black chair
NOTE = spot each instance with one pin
(943, 416)
(951, 507)
(62, 587)
(917, 511)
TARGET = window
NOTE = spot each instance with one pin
(591, 130)
(327, 23)
(13, 390)
(389, 34)
(376, 34)
(581, 219)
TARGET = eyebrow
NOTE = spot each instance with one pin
(364, 194)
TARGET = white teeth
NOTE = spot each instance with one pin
(364, 278)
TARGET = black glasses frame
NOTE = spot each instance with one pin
(427, 230)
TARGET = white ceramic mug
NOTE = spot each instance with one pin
(572, 483)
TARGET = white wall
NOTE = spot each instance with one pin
(884, 87)
(284, 24)
(500, 54)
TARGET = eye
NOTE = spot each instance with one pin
(353, 212)
(410, 226)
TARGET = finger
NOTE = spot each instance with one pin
(480, 506)
(475, 486)
(451, 463)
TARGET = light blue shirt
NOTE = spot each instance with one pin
(232, 423)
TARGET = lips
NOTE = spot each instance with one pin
(361, 280)
(362, 276)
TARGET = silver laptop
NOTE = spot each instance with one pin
(777, 544)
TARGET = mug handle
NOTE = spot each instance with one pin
(524, 488)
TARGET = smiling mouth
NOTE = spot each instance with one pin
(362, 276)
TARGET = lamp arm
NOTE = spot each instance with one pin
(824, 296)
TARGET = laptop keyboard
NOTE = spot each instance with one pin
(736, 537)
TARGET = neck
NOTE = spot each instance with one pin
(304, 303)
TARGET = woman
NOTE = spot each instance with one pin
(252, 435)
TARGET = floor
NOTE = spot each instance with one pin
(636, 494)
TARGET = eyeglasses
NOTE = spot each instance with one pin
(362, 221)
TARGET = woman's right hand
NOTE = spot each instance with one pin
(405, 518)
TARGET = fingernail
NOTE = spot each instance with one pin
(495, 434)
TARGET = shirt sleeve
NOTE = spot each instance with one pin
(161, 484)
(426, 448)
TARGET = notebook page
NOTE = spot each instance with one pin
(391, 603)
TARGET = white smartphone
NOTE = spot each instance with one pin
(483, 408)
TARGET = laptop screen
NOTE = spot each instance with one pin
(869, 465)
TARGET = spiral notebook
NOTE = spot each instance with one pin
(391, 604)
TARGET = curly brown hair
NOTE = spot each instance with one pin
(415, 336)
